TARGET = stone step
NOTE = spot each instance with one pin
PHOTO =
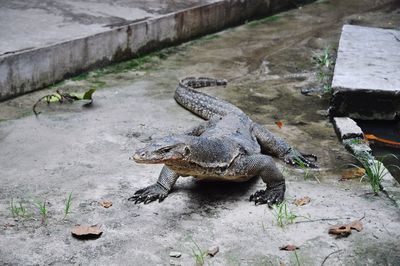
(366, 81)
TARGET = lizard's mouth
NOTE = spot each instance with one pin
(143, 157)
(137, 158)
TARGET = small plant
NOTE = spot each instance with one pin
(198, 254)
(68, 204)
(297, 258)
(375, 171)
(18, 211)
(41, 205)
(325, 64)
(307, 172)
(356, 141)
(283, 215)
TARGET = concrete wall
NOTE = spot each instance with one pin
(34, 69)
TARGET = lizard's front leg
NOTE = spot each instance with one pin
(159, 190)
(275, 146)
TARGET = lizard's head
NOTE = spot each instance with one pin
(162, 151)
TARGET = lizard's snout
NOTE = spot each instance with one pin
(138, 156)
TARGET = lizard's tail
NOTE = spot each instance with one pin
(203, 105)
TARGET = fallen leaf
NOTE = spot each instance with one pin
(356, 225)
(341, 230)
(302, 201)
(279, 124)
(106, 203)
(86, 232)
(352, 173)
(65, 97)
(213, 250)
(345, 229)
(288, 247)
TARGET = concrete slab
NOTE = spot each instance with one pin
(27, 25)
(347, 128)
(366, 81)
(43, 42)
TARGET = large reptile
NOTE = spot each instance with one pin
(228, 146)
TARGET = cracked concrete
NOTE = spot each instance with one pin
(85, 151)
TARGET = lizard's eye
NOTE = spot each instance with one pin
(187, 151)
(164, 150)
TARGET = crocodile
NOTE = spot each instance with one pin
(227, 146)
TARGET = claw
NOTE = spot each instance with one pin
(301, 159)
(149, 194)
(269, 196)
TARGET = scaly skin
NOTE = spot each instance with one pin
(228, 146)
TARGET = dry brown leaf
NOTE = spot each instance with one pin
(288, 247)
(279, 124)
(353, 173)
(345, 230)
(302, 201)
(86, 232)
(356, 225)
(106, 203)
(340, 230)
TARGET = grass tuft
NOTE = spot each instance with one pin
(325, 64)
(198, 254)
(43, 211)
(18, 211)
(375, 171)
(307, 172)
(68, 204)
(283, 215)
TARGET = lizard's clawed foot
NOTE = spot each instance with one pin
(270, 195)
(149, 194)
(300, 159)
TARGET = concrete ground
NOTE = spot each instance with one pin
(85, 151)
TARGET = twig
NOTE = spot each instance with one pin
(397, 38)
(322, 219)
(330, 254)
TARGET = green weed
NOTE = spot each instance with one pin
(68, 204)
(198, 254)
(297, 258)
(307, 172)
(43, 211)
(283, 215)
(325, 64)
(356, 141)
(18, 211)
(375, 171)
